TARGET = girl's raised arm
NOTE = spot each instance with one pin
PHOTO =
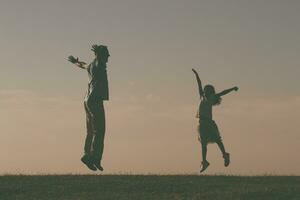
(201, 93)
(227, 91)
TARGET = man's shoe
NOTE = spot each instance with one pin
(226, 157)
(98, 166)
(86, 160)
(204, 164)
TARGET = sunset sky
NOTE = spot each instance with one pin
(151, 124)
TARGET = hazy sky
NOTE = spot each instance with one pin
(151, 124)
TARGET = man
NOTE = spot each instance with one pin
(93, 103)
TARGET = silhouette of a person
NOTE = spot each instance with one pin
(208, 129)
(97, 92)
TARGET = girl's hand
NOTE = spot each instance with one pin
(195, 72)
(199, 83)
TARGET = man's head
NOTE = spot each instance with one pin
(101, 52)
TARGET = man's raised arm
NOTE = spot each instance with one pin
(78, 63)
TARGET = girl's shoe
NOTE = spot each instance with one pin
(204, 165)
(226, 157)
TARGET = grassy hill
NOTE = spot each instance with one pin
(81, 187)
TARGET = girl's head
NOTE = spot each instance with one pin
(209, 92)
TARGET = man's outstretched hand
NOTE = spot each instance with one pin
(72, 59)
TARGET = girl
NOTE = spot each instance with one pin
(208, 130)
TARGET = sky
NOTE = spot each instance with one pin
(151, 124)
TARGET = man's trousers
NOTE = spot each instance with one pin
(95, 125)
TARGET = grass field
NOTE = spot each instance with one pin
(142, 187)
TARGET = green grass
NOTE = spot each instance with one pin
(142, 187)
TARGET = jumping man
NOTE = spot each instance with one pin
(97, 92)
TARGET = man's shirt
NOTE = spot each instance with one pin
(98, 83)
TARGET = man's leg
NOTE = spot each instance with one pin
(99, 130)
(86, 159)
(89, 130)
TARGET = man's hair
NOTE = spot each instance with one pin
(100, 49)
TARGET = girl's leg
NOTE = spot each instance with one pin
(221, 146)
(225, 154)
(204, 163)
(204, 151)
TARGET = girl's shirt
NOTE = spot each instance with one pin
(205, 108)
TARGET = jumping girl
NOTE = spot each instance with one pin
(208, 129)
